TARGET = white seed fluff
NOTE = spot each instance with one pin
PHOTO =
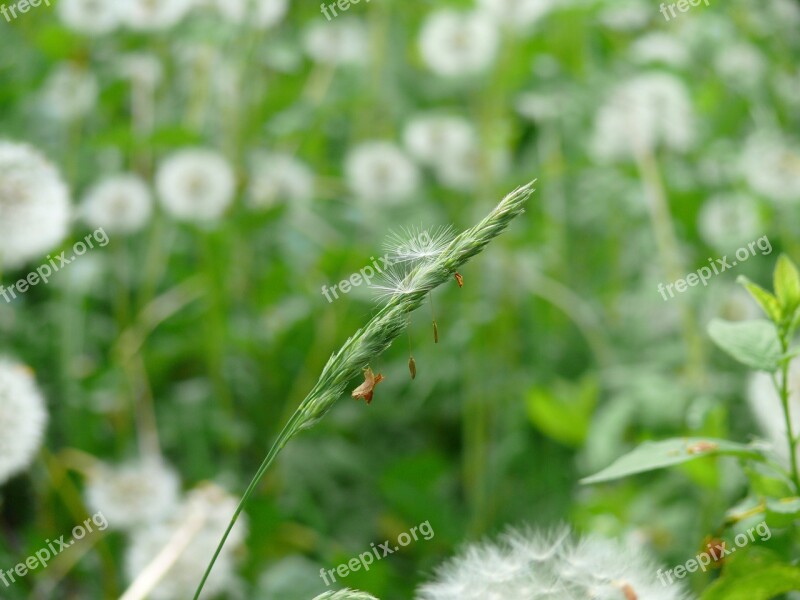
(771, 166)
(650, 110)
(530, 566)
(93, 17)
(133, 494)
(34, 205)
(118, 204)
(23, 418)
(215, 506)
(432, 138)
(70, 92)
(276, 177)
(729, 220)
(153, 15)
(340, 42)
(455, 44)
(195, 185)
(381, 171)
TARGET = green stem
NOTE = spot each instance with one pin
(784, 393)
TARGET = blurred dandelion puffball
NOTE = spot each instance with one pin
(34, 205)
(153, 15)
(92, 17)
(647, 111)
(771, 166)
(518, 14)
(455, 44)
(23, 417)
(381, 171)
(765, 404)
(133, 494)
(524, 565)
(729, 220)
(340, 42)
(276, 178)
(260, 14)
(210, 506)
(118, 204)
(69, 93)
(433, 139)
(195, 185)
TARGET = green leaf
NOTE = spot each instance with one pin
(666, 453)
(757, 582)
(769, 303)
(752, 343)
(783, 512)
(787, 285)
(564, 413)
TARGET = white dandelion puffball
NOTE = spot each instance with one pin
(430, 138)
(196, 184)
(647, 111)
(276, 177)
(381, 171)
(211, 508)
(93, 17)
(659, 47)
(118, 204)
(34, 205)
(530, 566)
(340, 42)
(462, 170)
(23, 418)
(771, 167)
(727, 221)
(133, 494)
(765, 404)
(454, 44)
(70, 92)
(260, 14)
(153, 15)
(741, 64)
(626, 16)
(517, 13)
(142, 68)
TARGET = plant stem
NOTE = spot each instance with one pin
(784, 393)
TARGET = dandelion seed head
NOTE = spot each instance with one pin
(23, 418)
(118, 204)
(381, 171)
(340, 42)
(428, 138)
(215, 507)
(153, 15)
(397, 280)
(70, 92)
(728, 220)
(771, 166)
(134, 493)
(92, 17)
(276, 178)
(525, 565)
(196, 185)
(34, 205)
(456, 44)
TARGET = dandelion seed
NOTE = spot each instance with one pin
(366, 389)
(23, 417)
(398, 280)
(413, 244)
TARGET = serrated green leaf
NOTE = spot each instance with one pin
(666, 453)
(787, 285)
(768, 303)
(752, 343)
